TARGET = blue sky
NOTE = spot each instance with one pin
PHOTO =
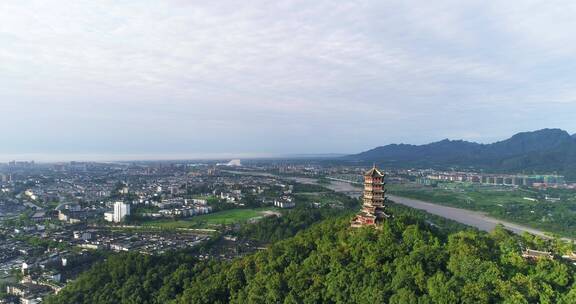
(176, 78)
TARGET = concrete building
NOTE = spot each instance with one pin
(121, 210)
(109, 216)
(284, 204)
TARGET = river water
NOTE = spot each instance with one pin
(468, 217)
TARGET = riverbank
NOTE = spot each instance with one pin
(468, 217)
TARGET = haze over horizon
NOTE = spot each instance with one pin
(114, 79)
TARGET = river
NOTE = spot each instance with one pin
(468, 217)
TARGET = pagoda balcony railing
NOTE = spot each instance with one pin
(373, 182)
(373, 188)
(373, 193)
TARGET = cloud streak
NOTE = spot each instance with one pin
(279, 77)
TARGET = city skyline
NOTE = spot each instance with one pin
(187, 79)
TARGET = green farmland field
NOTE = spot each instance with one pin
(225, 217)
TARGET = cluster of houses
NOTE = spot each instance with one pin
(185, 211)
(285, 202)
(496, 179)
(40, 277)
(146, 242)
(179, 207)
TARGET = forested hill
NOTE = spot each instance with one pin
(544, 150)
(405, 262)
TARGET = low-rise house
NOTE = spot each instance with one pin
(285, 203)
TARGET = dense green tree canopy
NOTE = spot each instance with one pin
(404, 262)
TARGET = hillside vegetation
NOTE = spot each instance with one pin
(406, 261)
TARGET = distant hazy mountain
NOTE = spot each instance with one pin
(317, 155)
(546, 150)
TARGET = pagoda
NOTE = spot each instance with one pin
(372, 213)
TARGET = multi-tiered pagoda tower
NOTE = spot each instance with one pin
(372, 213)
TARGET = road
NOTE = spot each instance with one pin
(468, 217)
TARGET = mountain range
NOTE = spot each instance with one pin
(542, 151)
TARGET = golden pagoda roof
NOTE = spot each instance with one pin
(374, 172)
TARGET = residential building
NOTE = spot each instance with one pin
(121, 210)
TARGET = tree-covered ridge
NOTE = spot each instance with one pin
(404, 262)
(273, 229)
(544, 151)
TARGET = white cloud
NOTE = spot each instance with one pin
(205, 70)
